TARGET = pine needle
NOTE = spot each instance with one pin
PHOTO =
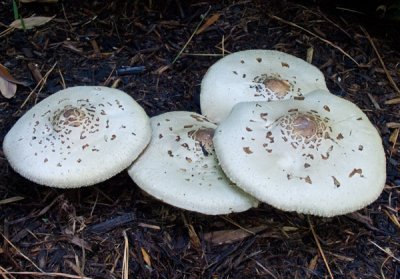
(125, 262)
(22, 254)
(392, 82)
(315, 35)
(191, 37)
(320, 248)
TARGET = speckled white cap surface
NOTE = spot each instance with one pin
(319, 156)
(256, 75)
(77, 137)
(179, 167)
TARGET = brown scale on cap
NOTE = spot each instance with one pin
(68, 116)
(82, 116)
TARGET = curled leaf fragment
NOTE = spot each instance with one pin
(31, 22)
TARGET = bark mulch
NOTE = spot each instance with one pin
(113, 229)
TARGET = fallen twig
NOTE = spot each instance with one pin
(381, 60)
(320, 248)
(44, 274)
(112, 223)
(40, 84)
(315, 35)
(22, 254)
(191, 36)
(125, 262)
(386, 251)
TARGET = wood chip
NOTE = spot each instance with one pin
(394, 101)
(393, 125)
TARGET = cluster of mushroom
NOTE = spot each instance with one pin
(285, 139)
(84, 135)
(270, 131)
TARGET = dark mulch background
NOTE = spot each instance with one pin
(84, 232)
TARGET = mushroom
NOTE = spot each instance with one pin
(179, 167)
(319, 156)
(77, 137)
(255, 75)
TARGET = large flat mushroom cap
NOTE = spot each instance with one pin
(319, 156)
(255, 75)
(179, 167)
(78, 137)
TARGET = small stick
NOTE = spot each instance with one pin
(205, 54)
(65, 16)
(394, 101)
(320, 248)
(4, 273)
(40, 84)
(315, 35)
(62, 79)
(39, 274)
(22, 254)
(381, 60)
(387, 252)
(223, 45)
(130, 70)
(266, 270)
(374, 102)
(393, 125)
(112, 223)
(108, 79)
(237, 225)
(125, 262)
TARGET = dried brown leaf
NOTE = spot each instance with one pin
(31, 22)
(38, 1)
(7, 88)
(162, 69)
(194, 238)
(312, 265)
(394, 136)
(210, 21)
(146, 256)
(230, 236)
(80, 242)
(4, 73)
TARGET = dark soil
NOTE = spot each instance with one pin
(83, 233)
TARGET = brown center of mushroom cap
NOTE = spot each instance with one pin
(68, 116)
(279, 87)
(304, 126)
(204, 137)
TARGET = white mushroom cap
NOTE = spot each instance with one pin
(319, 156)
(255, 75)
(77, 137)
(179, 167)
